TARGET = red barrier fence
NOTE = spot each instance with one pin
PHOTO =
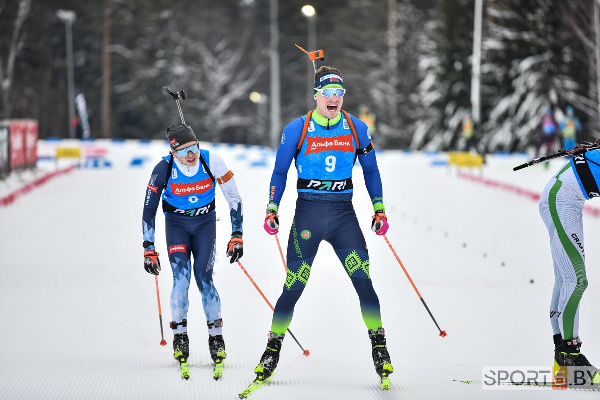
(5, 201)
(587, 209)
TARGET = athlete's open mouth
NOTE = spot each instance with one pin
(331, 107)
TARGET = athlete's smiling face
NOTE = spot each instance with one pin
(192, 157)
(329, 107)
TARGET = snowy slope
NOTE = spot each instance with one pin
(80, 318)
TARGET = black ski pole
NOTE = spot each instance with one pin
(561, 153)
(176, 96)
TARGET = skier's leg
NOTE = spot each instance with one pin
(305, 236)
(349, 244)
(178, 240)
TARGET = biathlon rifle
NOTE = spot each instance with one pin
(582, 148)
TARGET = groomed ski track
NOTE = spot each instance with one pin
(80, 318)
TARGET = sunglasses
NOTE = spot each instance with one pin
(329, 92)
(184, 152)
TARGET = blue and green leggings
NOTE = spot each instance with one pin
(336, 223)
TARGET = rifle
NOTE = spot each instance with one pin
(561, 153)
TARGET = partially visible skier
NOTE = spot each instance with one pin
(561, 205)
(186, 180)
(324, 161)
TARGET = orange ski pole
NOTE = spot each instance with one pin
(281, 253)
(163, 341)
(304, 352)
(442, 333)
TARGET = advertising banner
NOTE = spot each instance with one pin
(4, 149)
(23, 135)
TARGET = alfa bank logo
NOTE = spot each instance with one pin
(182, 248)
(338, 143)
(182, 189)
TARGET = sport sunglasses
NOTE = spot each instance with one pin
(329, 92)
(184, 152)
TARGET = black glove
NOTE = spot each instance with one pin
(235, 247)
(151, 262)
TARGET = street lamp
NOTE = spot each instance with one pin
(310, 14)
(260, 99)
(68, 17)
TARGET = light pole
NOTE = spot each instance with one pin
(68, 17)
(476, 70)
(260, 99)
(310, 14)
(275, 78)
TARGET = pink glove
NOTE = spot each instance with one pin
(379, 224)
(271, 223)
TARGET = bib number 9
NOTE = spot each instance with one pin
(330, 162)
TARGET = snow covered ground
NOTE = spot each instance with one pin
(80, 318)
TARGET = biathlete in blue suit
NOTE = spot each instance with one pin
(186, 180)
(561, 208)
(324, 157)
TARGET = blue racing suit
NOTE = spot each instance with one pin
(188, 202)
(324, 208)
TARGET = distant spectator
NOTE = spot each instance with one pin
(468, 132)
(549, 128)
(569, 127)
(366, 116)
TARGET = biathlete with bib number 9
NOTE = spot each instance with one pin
(325, 145)
(186, 180)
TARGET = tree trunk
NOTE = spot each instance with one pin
(106, 80)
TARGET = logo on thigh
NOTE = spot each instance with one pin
(182, 248)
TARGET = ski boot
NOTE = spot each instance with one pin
(557, 346)
(270, 358)
(181, 346)
(569, 355)
(181, 351)
(216, 345)
(381, 357)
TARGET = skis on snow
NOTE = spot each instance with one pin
(257, 383)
